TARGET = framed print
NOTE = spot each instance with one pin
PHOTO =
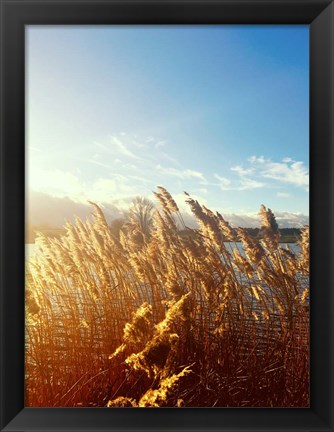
(167, 226)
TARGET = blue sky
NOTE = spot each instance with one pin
(219, 111)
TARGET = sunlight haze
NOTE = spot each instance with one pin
(218, 111)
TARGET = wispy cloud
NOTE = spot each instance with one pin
(223, 180)
(123, 149)
(102, 146)
(160, 144)
(123, 145)
(96, 162)
(149, 150)
(283, 195)
(244, 183)
(163, 155)
(140, 179)
(183, 174)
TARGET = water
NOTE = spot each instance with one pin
(294, 247)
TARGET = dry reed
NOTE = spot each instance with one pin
(169, 316)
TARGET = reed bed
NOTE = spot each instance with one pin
(167, 316)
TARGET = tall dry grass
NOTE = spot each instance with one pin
(171, 317)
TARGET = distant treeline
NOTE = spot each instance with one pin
(288, 235)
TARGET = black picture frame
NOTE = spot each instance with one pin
(15, 15)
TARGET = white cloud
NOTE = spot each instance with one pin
(291, 220)
(260, 170)
(294, 173)
(105, 189)
(248, 184)
(259, 159)
(44, 209)
(246, 219)
(242, 171)
(63, 184)
(287, 171)
(56, 182)
(252, 220)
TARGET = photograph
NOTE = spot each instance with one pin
(167, 216)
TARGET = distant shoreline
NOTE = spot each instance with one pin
(288, 235)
